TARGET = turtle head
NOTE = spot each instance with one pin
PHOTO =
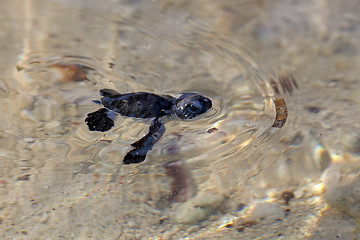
(191, 105)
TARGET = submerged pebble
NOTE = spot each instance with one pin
(4, 89)
(351, 142)
(267, 212)
(345, 197)
(331, 176)
(43, 110)
(197, 208)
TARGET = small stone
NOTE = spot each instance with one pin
(267, 212)
(131, 224)
(227, 221)
(240, 207)
(44, 217)
(26, 115)
(29, 140)
(196, 209)
(313, 109)
(43, 110)
(300, 193)
(168, 235)
(55, 127)
(351, 142)
(192, 229)
(4, 89)
(331, 176)
(345, 197)
(72, 110)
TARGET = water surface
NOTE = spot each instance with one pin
(63, 181)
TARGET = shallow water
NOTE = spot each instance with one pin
(63, 181)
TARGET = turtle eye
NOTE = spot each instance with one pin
(193, 108)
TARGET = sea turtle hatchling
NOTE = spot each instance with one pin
(148, 106)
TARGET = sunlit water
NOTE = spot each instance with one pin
(60, 179)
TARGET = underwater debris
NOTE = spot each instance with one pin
(19, 68)
(25, 177)
(71, 72)
(211, 130)
(288, 84)
(287, 196)
(281, 113)
(111, 65)
(181, 184)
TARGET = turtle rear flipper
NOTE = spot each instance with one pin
(98, 102)
(99, 120)
(108, 92)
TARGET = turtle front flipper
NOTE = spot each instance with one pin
(145, 144)
(99, 120)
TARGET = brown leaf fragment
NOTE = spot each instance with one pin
(281, 113)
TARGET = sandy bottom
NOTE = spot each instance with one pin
(314, 41)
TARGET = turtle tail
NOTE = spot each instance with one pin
(99, 120)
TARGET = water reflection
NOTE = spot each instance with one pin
(57, 173)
